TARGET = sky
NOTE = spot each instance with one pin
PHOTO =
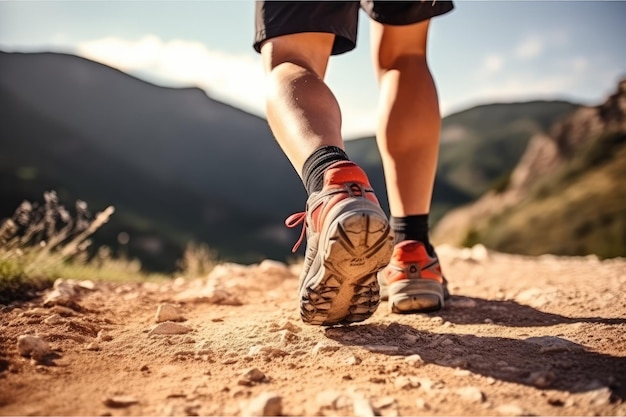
(481, 52)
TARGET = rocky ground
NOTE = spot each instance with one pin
(520, 336)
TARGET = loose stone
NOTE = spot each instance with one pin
(168, 312)
(169, 328)
(33, 347)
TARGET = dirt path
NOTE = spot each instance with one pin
(521, 336)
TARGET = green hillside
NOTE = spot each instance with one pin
(578, 210)
(481, 144)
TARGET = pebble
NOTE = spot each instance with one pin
(324, 347)
(64, 293)
(204, 348)
(361, 406)
(330, 399)
(102, 337)
(421, 404)
(414, 360)
(251, 377)
(266, 404)
(33, 347)
(54, 319)
(352, 360)
(168, 312)
(286, 337)
(510, 410)
(92, 346)
(120, 401)
(267, 351)
(472, 394)
(406, 382)
(169, 328)
(384, 402)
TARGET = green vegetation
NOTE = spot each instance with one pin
(579, 210)
(41, 243)
(493, 139)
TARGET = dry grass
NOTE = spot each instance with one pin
(42, 242)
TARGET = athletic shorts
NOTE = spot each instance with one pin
(277, 18)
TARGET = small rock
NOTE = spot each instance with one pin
(328, 399)
(472, 394)
(362, 407)
(267, 351)
(266, 404)
(286, 337)
(352, 360)
(414, 360)
(510, 410)
(33, 347)
(92, 346)
(406, 382)
(251, 377)
(120, 401)
(54, 320)
(102, 337)
(87, 284)
(169, 328)
(421, 404)
(384, 402)
(168, 312)
(204, 348)
(64, 293)
(324, 347)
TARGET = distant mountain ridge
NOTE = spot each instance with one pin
(181, 166)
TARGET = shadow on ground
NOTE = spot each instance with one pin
(545, 362)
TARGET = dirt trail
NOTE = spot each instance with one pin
(520, 336)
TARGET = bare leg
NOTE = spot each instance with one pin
(301, 110)
(409, 119)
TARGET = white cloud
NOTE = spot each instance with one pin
(235, 79)
(580, 64)
(530, 48)
(493, 63)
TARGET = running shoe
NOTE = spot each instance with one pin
(413, 281)
(348, 241)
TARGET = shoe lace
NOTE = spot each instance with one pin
(293, 221)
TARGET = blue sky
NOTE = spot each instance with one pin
(483, 51)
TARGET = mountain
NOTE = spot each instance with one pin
(479, 147)
(180, 166)
(566, 195)
(176, 164)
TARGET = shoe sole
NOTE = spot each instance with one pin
(342, 287)
(415, 295)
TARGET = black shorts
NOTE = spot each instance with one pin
(277, 18)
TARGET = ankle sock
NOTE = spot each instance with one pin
(316, 164)
(413, 227)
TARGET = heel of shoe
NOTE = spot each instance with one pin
(415, 295)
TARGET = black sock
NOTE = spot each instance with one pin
(412, 228)
(316, 164)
